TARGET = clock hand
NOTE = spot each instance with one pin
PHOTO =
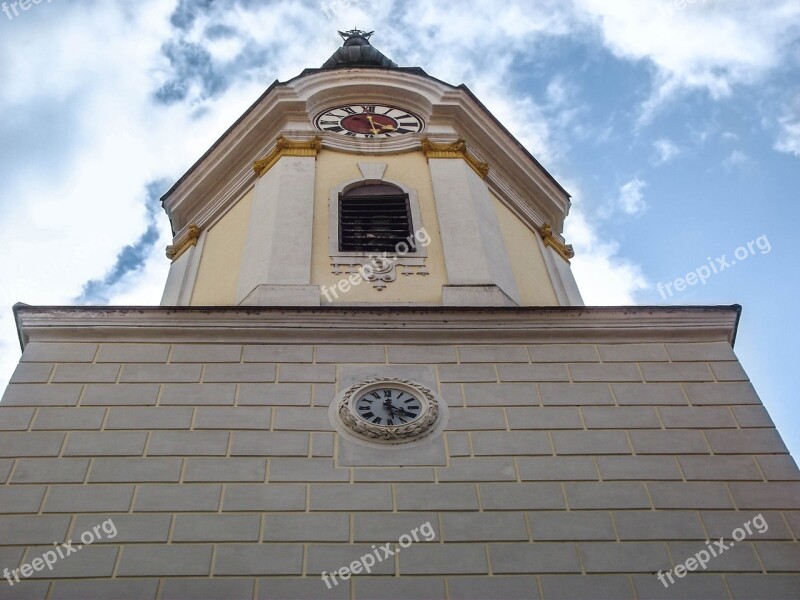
(374, 130)
(372, 124)
(392, 408)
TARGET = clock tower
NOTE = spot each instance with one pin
(381, 172)
(372, 376)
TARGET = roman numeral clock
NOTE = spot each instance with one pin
(366, 121)
(386, 409)
(392, 406)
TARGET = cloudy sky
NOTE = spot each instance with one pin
(675, 124)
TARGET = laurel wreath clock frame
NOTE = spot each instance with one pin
(388, 433)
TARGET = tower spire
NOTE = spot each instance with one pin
(358, 52)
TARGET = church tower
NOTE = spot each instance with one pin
(342, 164)
(372, 376)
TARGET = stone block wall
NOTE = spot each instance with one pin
(571, 470)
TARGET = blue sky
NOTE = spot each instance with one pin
(675, 124)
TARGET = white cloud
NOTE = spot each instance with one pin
(789, 140)
(710, 46)
(666, 150)
(630, 199)
(604, 277)
(789, 129)
(737, 160)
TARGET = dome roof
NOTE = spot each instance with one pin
(358, 52)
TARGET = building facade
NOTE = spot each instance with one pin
(372, 376)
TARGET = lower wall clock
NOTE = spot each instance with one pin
(388, 410)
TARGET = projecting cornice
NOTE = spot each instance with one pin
(407, 324)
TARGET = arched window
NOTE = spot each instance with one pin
(375, 218)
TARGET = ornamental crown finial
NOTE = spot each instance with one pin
(346, 35)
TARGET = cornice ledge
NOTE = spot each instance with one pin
(413, 324)
(457, 149)
(286, 147)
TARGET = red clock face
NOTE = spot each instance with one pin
(373, 123)
(367, 121)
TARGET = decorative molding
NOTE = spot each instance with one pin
(422, 324)
(392, 434)
(284, 147)
(456, 149)
(189, 239)
(382, 269)
(549, 238)
(404, 144)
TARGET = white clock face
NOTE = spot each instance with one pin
(368, 121)
(388, 407)
(387, 410)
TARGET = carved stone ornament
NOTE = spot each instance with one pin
(550, 240)
(187, 241)
(428, 415)
(379, 270)
(457, 149)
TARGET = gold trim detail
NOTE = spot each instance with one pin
(284, 147)
(192, 235)
(455, 150)
(549, 238)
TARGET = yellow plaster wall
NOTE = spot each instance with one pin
(221, 261)
(527, 262)
(410, 170)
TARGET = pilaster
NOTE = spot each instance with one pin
(474, 250)
(276, 266)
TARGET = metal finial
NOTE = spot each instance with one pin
(355, 32)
